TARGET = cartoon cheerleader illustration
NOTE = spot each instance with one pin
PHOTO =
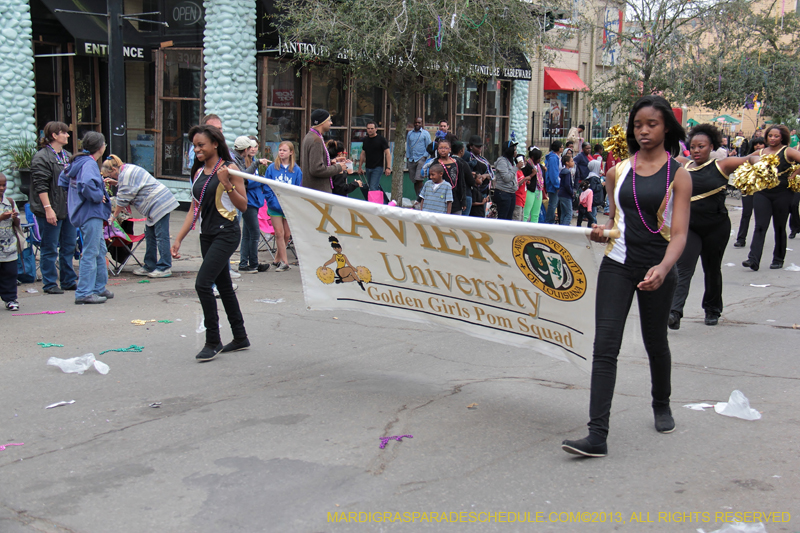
(345, 272)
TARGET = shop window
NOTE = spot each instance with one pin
(436, 106)
(181, 94)
(498, 109)
(282, 116)
(86, 102)
(328, 92)
(468, 109)
(48, 84)
(368, 106)
(557, 114)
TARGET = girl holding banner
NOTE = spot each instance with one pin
(649, 197)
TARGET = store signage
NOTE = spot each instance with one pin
(129, 53)
(317, 50)
(185, 13)
(283, 98)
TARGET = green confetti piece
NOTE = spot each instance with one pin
(49, 345)
(145, 281)
(131, 348)
(165, 321)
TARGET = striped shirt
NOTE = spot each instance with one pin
(150, 197)
(435, 196)
(8, 237)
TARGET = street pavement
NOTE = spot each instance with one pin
(285, 436)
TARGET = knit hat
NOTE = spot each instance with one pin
(318, 116)
(475, 140)
(242, 142)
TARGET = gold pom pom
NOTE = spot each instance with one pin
(326, 275)
(364, 274)
(794, 179)
(757, 177)
(616, 142)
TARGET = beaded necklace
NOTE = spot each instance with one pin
(453, 182)
(203, 192)
(324, 149)
(60, 159)
(636, 200)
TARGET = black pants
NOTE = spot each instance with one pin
(217, 251)
(8, 280)
(708, 243)
(747, 212)
(616, 285)
(770, 204)
(794, 213)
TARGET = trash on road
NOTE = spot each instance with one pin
(271, 300)
(698, 406)
(31, 290)
(59, 404)
(79, 364)
(49, 345)
(793, 268)
(472, 406)
(144, 281)
(155, 405)
(3, 446)
(730, 264)
(398, 438)
(39, 313)
(759, 286)
(737, 406)
(131, 348)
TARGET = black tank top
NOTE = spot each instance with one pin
(217, 212)
(706, 178)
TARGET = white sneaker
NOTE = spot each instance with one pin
(216, 292)
(235, 275)
(160, 273)
(141, 271)
(282, 267)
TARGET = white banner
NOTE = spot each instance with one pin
(509, 282)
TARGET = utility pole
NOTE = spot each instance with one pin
(117, 121)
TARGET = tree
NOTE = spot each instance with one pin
(760, 55)
(652, 48)
(412, 46)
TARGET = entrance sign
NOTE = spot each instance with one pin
(528, 285)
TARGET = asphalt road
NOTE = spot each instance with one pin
(285, 436)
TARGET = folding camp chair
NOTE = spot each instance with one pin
(267, 241)
(121, 246)
(32, 235)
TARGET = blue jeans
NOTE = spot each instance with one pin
(58, 242)
(551, 207)
(373, 176)
(505, 202)
(93, 273)
(565, 210)
(250, 234)
(156, 238)
(468, 203)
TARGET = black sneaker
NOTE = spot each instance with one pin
(792, 235)
(263, 267)
(752, 265)
(584, 448)
(739, 244)
(247, 270)
(664, 421)
(712, 319)
(236, 344)
(775, 265)
(674, 320)
(208, 352)
(53, 290)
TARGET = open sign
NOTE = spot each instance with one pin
(186, 13)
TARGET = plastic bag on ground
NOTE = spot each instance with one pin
(79, 364)
(738, 406)
(740, 527)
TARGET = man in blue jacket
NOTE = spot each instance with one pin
(552, 181)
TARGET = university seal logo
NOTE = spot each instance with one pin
(550, 267)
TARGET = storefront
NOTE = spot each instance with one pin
(561, 87)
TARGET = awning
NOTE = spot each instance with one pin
(91, 31)
(727, 119)
(559, 79)
(692, 122)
